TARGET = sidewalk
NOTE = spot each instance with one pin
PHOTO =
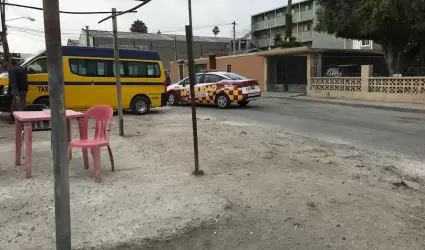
(392, 106)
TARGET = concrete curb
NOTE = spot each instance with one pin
(356, 105)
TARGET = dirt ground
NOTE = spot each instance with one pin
(263, 189)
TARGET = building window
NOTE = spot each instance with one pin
(307, 7)
(243, 45)
(365, 42)
(307, 28)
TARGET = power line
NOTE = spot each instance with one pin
(66, 12)
(27, 36)
(199, 28)
(31, 35)
(144, 2)
(78, 33)
(34, 30)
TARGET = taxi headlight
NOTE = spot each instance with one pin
(4, 90)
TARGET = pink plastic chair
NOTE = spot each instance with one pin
(103, 116)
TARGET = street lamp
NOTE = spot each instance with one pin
(22, 17)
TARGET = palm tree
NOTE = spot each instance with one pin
(139, 26)
(216, 30)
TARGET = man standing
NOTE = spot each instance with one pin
(19, 95)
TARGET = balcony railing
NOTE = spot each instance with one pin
(265, 42)
(280, 21)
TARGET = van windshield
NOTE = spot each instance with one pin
(28, 59)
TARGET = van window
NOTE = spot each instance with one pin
(39, 66)
(121, 68)
(143, 69)
(97, 68)
(78, 67)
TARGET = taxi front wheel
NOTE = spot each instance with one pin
(222, 101)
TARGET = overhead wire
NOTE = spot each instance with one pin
(75, 32)
(17, 8)
(66, 12)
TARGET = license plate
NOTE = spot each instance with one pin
(252, 86)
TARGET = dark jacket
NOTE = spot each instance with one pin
(21, 78)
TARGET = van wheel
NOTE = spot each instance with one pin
(222, 101)
(44, 101)
(140, 105)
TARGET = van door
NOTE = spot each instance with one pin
(100, 86)
(79, 90)
(37, 79)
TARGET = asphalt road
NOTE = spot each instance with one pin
(391, 132)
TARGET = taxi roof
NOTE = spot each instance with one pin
(220, 73)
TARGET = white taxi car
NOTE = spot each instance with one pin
(219, 88)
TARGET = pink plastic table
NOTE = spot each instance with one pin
(26, 118)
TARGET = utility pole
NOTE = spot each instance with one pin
(117, 72)
(234, 37)
(117, 60)
(87, 36)
(6, 52)
(192, 79)
(59, 124)
(175, 48)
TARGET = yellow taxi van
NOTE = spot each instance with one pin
(89, 78)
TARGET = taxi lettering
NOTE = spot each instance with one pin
(43, 88)
(209, 88)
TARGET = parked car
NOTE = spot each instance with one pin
(219, 88)
(351, 70)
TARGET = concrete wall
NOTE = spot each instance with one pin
(174, 68)
(384, 89)
(166, 49)
(248, 65)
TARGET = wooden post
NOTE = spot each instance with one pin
(59, 123)
(118, 73)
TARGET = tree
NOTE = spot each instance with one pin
(290, 43)
(278, 41)
(397, 25)
(139, 26)
(159, 32)
(216, 30)
(288, 21)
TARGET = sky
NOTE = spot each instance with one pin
(169, 16)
